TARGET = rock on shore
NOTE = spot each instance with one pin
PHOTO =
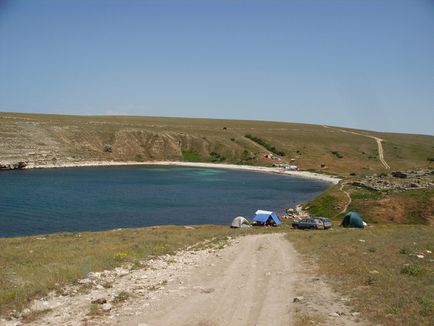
(13, 166)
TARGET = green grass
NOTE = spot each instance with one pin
(327, 204)
(387, 284)
(265, 144)
(191, 156)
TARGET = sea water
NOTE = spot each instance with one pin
(88, 199)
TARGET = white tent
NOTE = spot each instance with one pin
(240, 222)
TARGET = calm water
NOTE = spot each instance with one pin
(79, 199)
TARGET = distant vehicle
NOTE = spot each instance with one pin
(325, 221)
(308, 223)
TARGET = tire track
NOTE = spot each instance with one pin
(378, 141)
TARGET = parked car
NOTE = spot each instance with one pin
(308, 223)
(325, 221)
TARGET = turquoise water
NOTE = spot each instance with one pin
(80, 199)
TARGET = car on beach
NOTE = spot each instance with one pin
(325, 221)
(308, 224)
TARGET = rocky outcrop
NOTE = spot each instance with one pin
(13, 166)
(395, 181)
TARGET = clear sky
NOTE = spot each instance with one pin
(366, 64)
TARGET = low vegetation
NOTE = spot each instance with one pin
(56, 139)
(377, 207)
(216, 157)
(191, 156)
(265, 144)
(32, 266)
(409, 207)
(337, 154)
(386, 271)
(329, 203)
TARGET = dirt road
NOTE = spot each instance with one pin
(253, 284)
(253, 280)
(379, 142)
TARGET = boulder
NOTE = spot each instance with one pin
(399, 174)
(13, 166)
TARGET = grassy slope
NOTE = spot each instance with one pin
(378, 269)
(54, 138)
(409, 207)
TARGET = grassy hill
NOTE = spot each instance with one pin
(43, 139)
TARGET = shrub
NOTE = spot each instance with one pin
(337, 154)
(371, 280)
(404, 251)
(216, 157)
(121, 297)
(120, 255)
(263, 143)
(108, 148)
(412, 270)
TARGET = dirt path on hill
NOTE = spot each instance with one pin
(253, 280)
(378, 140)
(349, 200)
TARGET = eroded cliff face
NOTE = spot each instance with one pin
(55, 142)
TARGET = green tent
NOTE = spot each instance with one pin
(352, 220)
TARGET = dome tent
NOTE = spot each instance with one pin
(240, 222)
(352, 220)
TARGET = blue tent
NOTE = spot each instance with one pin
(263, 216)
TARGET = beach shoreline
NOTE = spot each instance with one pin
(263, 169)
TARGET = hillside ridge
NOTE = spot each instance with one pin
(41, 139)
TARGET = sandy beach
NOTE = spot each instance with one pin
(263, 169)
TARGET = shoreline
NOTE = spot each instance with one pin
(263, 169)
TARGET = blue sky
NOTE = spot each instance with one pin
(365, 64)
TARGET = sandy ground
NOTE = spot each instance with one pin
(252, 280)
(302, 174)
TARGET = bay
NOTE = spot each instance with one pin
(45, 201)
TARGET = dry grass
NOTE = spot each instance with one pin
(32, 266)
(303, 319)
(409, 207)
(55, 138)
(378, 268)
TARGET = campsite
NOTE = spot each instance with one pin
(216, 163)
(301, 220)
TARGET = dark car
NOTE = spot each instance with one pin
(325, 221)
(308, 223)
